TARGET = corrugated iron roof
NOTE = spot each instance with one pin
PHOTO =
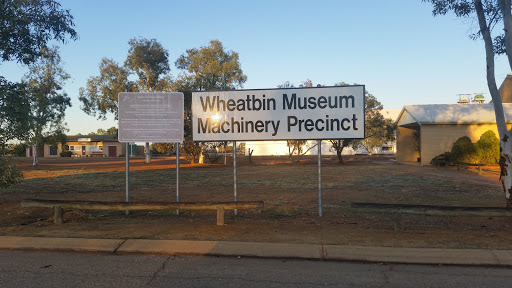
(451, 114)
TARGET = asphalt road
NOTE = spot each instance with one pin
(56, 269)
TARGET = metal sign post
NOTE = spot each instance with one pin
(127, 175)
(177, 176)
(234, 175)
(280, 114)
(150, 117)
(319, 178)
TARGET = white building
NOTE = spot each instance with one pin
(277, 148)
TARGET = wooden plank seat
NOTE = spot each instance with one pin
(97, 154)
(470, 164)
(399, 209)
(60, 205)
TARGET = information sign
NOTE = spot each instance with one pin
(279, 114)
(151, 117)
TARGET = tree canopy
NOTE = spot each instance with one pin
(149, 60)
(28, 25)
(210, 68)
(48, 102)
(14, 108)
(100, 95)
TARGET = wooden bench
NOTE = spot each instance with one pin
(60, 205)
(399, 209)
(97, 154)
(469, 164)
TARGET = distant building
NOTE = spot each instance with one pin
(84, 146)
(425, 131)
(276, 148)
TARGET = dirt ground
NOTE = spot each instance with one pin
(289, 191)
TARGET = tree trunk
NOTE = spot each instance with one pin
(35, 160)
(507, 23)
(340, 158)
(147, 154)
(505, 135)
(201, 157)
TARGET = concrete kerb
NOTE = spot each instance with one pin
(59, 244)
(435, 256)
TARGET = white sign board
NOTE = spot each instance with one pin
(279, 114)
(151, 117)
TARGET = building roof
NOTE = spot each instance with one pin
(414, 115)
(91, 138)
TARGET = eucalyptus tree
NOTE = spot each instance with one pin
(48, 101)
(14, 108)
(147, 60)
(206, 68)
(150, 62)
(27, 26)
(490, 14)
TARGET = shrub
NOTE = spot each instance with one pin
(9, 176)
(442, 159)
(66, 154)
(463, 150)
(19, 150)
(488, 148)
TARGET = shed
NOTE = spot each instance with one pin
(425, 131)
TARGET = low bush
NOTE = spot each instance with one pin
(66, 154)
(488, 148)
(9, 176)
(442, 159)
(463, 150)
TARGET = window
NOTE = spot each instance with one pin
(71, 148)
(53, 151)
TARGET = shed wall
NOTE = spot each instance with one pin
(437, 139)
(405, 146)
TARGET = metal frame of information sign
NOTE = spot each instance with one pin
(151, 117)
(311, 113)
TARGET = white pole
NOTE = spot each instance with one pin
(319, 178)
(234, 175)
(178, 176)
(127, 175)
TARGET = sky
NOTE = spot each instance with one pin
(397, 49)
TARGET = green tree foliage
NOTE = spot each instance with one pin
(48, 101)
(488, 148)
(14, 108)
(27, 25)
(147, 59)
(110, 131)
(162, 148)
(463, 150)
(210, 68)
(150, 62)
(99, 97)
(206, 68)
(18, 150)
(9, 176)
(378, 130)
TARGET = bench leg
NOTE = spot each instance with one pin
(220, 215)
(398, 223)
(58, 215)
